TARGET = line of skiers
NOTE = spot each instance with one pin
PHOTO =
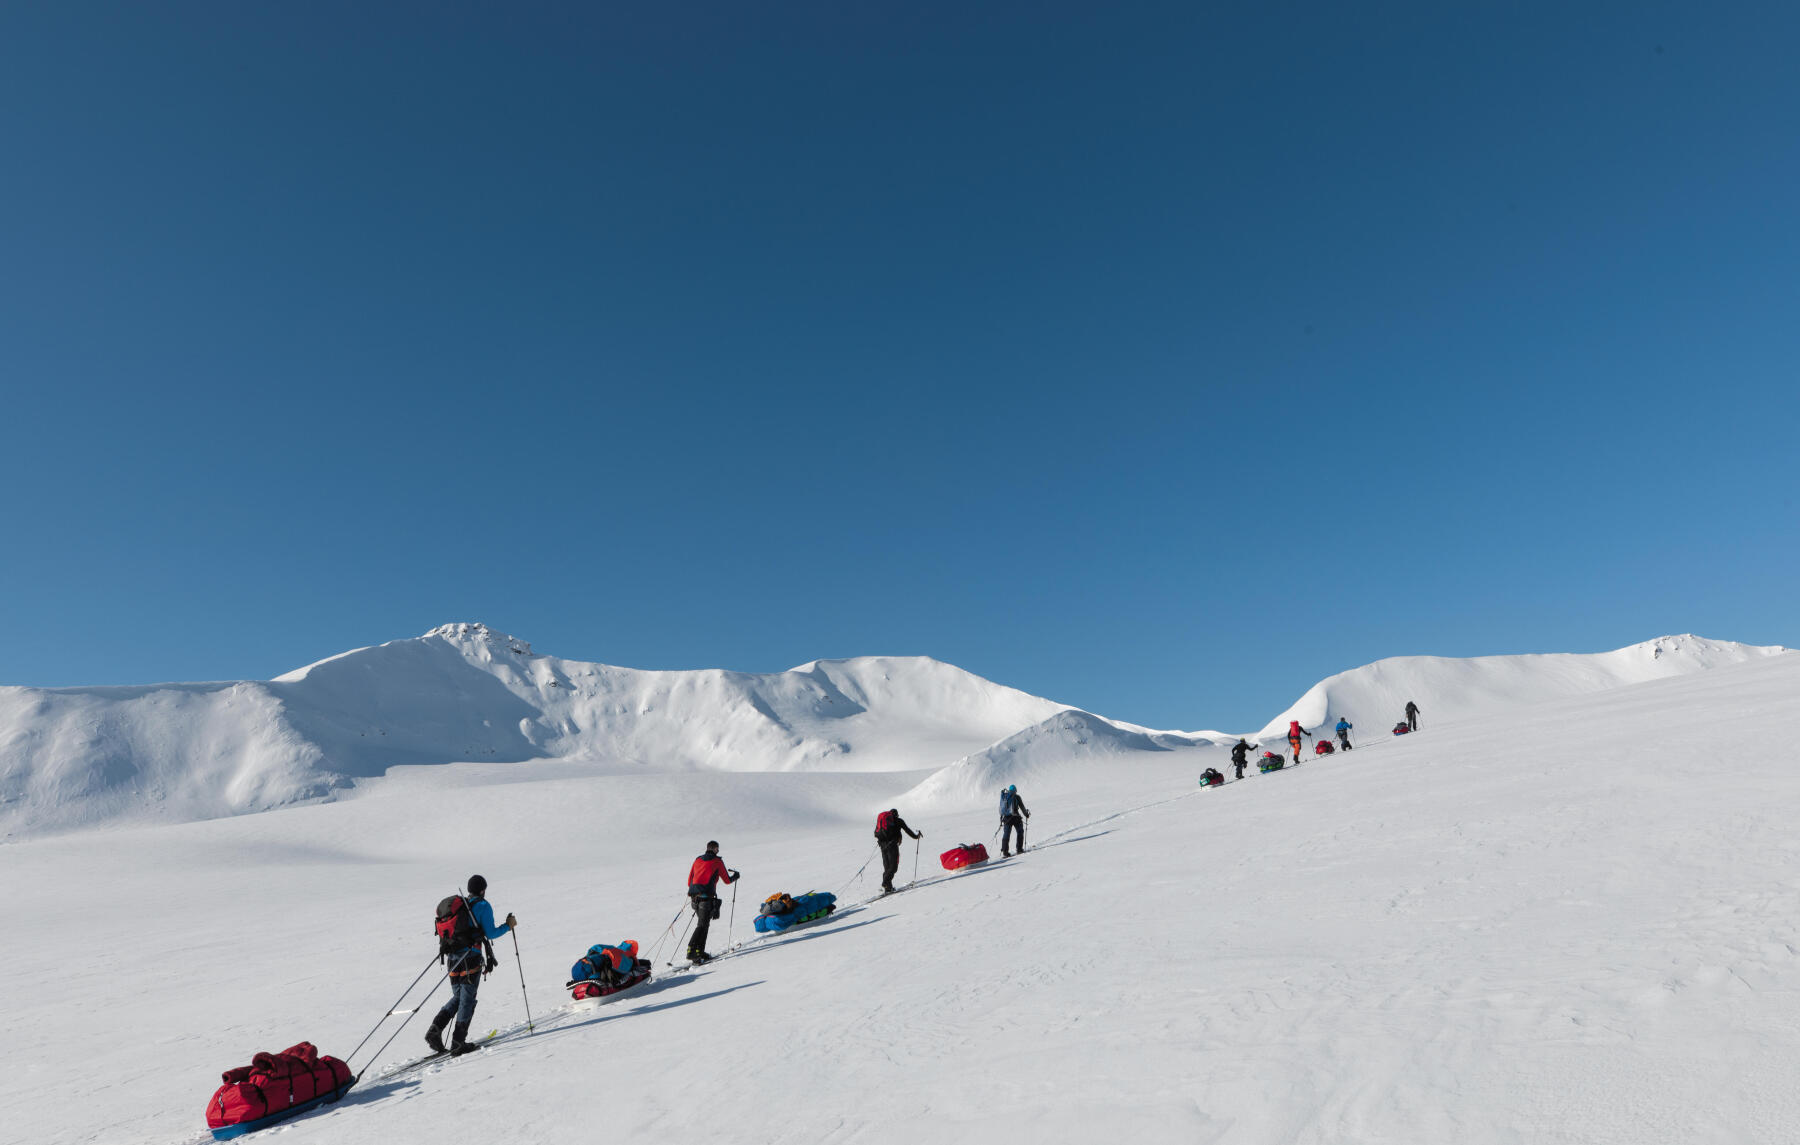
(1240, 751)
(466, 928)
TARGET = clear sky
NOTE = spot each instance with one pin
(1157, 358)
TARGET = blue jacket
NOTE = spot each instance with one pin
(1011, 804)
(484, 914)
(1344, 726)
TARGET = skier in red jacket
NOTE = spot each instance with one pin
(1294, 734)
(707, 870)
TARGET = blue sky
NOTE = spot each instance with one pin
(1158, 358)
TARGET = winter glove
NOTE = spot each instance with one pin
(493, 964)
(512, 922)
(1027, 814)
(735, 876)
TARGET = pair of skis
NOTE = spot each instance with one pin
(419, 1063)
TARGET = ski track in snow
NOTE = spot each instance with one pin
(1573, 921)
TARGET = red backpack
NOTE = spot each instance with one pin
(456, 926)
(884, 824)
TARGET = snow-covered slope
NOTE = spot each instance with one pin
(79, 756)
(1071, 748)
(1374, 696)
(1568, 922)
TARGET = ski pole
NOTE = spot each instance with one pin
(397, 1029)
(391, 1009)
(861, 869)
(530, 1028)
(732, 922)
(679, 941)
(656, 947)
(916, 857)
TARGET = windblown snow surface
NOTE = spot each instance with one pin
(1571, 920)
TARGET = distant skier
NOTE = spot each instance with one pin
(1343, 732)
(1011, 810)
(1412, 716)
(707, 870)
(465, 934)
(1240, 756)
(888, 826)
(1294, 734)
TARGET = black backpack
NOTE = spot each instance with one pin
(456, 926)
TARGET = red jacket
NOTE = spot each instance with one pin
(707, 869)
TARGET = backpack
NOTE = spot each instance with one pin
(884, 824)
(782, 903)
(456, 926)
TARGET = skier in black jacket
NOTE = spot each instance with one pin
(1412, 716)
(888, 826)
(1240, 752)
(1013, 814)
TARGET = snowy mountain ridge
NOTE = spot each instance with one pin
(80, 757)
(74, 757)
(1446, 688)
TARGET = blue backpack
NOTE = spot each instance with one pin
(591, 965)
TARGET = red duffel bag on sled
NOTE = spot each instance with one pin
(274, 1087)
(967, 855)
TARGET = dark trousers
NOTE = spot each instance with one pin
(706, 908)
(461, 1005)
(1344, 738)
(1240, 765)
(1412, 721)
(1009, 824)
(890, 862)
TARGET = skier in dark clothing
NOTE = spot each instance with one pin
(467, 955)
(1412, 716)
(888, 826)
(1240, 752)
(707, 870)
(1343, 731)
(1011, 810)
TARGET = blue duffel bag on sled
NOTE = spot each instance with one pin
(782, 911)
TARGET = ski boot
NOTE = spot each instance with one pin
(459, 1042)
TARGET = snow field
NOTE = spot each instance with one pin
(1568, 922)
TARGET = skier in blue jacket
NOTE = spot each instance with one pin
(1343, 731)
(467, 958)
(1013, 814)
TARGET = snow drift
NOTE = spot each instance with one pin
(1374, 696)
(1045, 758)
